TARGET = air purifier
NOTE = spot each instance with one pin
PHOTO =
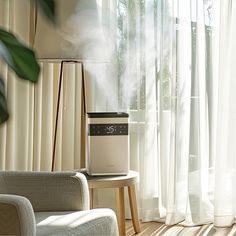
(107, 143)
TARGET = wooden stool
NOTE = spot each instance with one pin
(118, 182)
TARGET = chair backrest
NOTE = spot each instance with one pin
(48, 191)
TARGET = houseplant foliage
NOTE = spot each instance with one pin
(20, 58)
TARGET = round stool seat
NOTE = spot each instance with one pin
(112, 181)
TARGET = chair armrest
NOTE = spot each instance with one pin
(16, 216)
(48, 191)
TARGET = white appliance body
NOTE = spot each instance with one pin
(107, 151)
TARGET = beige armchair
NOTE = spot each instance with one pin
(50, 203)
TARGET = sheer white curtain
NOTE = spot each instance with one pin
(188, 193)
(225, 169)
(172, 58)
(166, 65)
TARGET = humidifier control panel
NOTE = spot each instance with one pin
(108, 129)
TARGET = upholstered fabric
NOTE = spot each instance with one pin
(97, 222)
(60, 201)
(48, 191)
(16, 216)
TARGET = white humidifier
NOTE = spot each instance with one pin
(107, 144)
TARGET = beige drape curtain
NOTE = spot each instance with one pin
(17, 134)
(69, 124)
(26, 140)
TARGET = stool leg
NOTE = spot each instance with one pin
(121, 210)
(91, 198)
(134, 208)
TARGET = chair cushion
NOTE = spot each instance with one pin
(91, 222)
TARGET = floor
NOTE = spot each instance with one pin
(159, 229)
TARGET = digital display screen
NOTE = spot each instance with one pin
(108, 129)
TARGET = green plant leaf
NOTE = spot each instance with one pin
(3, 103)
(19, 57)
(48, 8)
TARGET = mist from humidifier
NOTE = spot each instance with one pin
(89, 35)
(141, 52)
